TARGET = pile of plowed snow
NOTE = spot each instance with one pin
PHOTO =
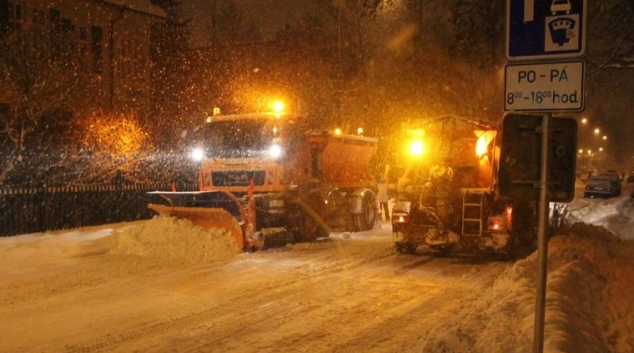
(589, 279)
(172, 241)
(588, 305)
(594, 267)
(613, 214)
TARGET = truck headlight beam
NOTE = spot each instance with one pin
(197, 154)
(275, 151)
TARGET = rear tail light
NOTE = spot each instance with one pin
(399, 218)
(495, 225)
(498, 223)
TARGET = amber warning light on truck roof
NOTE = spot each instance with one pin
(416, 148)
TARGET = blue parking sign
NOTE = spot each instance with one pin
(545, 29)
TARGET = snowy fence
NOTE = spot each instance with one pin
(28, 210)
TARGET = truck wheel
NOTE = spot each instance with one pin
(442, 250)
(365, 220)
(406, 248)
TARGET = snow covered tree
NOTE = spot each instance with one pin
(40, 70)
(611, 31)
(171, 75)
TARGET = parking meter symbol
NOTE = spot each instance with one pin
(561, 30)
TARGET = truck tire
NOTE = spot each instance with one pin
(406, 248)
(366, 219)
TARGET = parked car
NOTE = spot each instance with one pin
(560, 6)
(612, 175)
(602, 185)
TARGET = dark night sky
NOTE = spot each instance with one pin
(268, 15)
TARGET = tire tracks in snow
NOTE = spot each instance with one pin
(273, 293)
(337, 296)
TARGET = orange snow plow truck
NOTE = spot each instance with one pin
(269, 181)
(447, 196)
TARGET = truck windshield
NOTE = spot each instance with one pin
(239, 138)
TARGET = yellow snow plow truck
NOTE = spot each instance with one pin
(270, 181)
(447, 196)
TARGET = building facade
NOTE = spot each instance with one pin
(109, 42)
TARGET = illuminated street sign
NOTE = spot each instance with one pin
(545, 29)
(556, 86)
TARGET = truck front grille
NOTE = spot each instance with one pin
(238, 177)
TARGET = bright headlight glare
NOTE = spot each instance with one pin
(197, 154)
(275, 151)
(416, 148)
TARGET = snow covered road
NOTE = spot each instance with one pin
(165, 286)
(346, 294)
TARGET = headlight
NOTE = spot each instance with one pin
(197, 154)
(275, 151)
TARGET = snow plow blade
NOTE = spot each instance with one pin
(211, 209)
(204, 217)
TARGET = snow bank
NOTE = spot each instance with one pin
(589, 276)
(586, 268)
(614, 214)
(171, 241)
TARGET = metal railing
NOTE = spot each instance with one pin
(26, 210)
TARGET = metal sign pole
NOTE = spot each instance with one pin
(542, 246)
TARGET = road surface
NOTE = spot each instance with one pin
(350, 293)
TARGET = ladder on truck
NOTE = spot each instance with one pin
(474, 201)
